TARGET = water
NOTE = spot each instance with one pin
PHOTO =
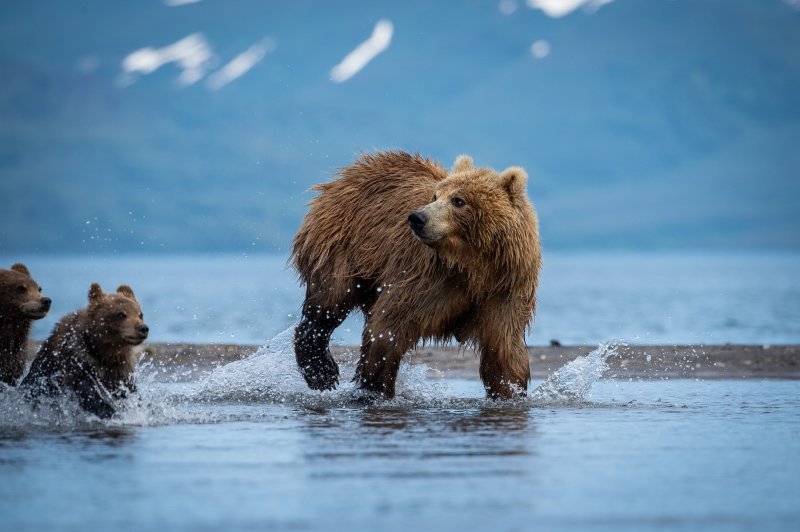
(247, 446)
(584, 298)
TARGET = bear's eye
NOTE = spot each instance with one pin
(40, 289)
(22, 289)
(458, 202)
(434, 198)
(120, 315)
(141, 316)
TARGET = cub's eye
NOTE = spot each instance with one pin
(22, 289)
(120, 315)
(40, 289)
(434, 198)
(458, 202)
(141, 316)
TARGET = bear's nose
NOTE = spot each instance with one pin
(45, 302)
(417, 221)
(143, 330)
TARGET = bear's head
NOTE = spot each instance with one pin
(473, 210)
(20, 296)
(115, 318)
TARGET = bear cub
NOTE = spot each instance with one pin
(91, 353)
(21, 302)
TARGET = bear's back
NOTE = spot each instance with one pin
(358, 221)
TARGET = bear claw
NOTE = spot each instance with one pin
(321, 372)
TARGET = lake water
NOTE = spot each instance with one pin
(584, 298)
(247, 446)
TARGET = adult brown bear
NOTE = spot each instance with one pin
(425, 255)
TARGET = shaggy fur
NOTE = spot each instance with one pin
(92, 352)
(21, 302)
(468, 267)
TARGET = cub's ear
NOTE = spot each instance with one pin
(514, 180)
(462, 164)
(95, 293)
(126, 291)
(19, 267)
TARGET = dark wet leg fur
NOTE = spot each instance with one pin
(311, 338)
(381, 351)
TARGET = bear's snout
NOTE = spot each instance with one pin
(36, 309)
(143, 330)
(417, 221)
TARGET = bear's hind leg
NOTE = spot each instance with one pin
(311, 338)
(382, 348)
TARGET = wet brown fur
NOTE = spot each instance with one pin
(92, 352)
(477, 281)
(21, 302)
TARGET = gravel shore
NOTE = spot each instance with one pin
(635, 361)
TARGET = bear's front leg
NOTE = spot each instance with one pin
(505, 372)
(311, 338)
(93, 397)
(505, 369)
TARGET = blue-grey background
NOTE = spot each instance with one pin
(663, 124)
(660, 138)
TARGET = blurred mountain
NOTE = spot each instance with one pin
(658, 124)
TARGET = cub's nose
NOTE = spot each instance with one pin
(143, 330)
(417, 221)
(45, 302)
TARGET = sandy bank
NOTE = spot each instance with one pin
(641, 362)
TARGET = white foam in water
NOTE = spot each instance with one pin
(571, 382)
(245, 389)
(268, 374)
(48, 413)
(271, 374)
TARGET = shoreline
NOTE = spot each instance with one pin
(651, 362)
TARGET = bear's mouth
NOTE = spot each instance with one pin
(425, 240)
(134, 340)
(35, 314)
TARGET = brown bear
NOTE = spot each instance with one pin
(425, 255)
(92, 352)
(21, 302)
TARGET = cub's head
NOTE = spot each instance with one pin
(472, 208)
(20, 296)
(116, 317)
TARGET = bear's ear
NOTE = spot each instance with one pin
(514, 180)
(19, 267)
(95, 293)
(126, 291)
(462, 164)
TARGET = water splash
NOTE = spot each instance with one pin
(571, 382)
(271, 375)
(252, 388)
